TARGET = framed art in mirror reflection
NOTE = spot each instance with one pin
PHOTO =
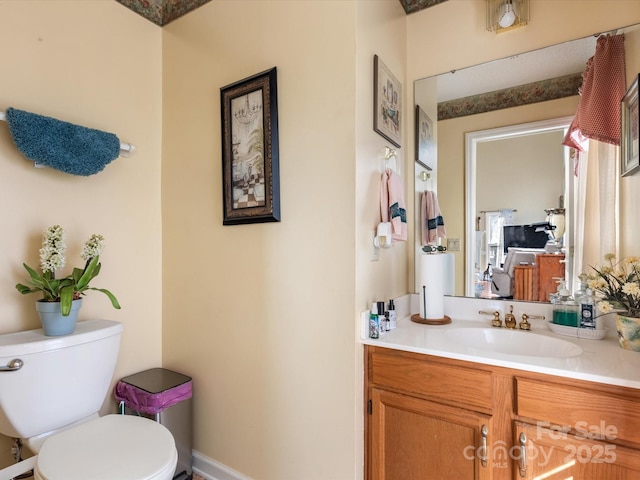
(425, 146)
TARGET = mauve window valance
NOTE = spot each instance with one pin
(603, 86)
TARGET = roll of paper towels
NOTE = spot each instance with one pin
(431, 285)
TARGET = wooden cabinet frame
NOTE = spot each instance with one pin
(408, 393)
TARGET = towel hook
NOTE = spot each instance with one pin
(424, 176)
(389, 153)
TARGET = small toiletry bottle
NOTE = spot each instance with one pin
(387, 321)
(381, 318)
(393, 319)
(374, 325)
(588, 310)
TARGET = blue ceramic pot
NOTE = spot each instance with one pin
(53, 322)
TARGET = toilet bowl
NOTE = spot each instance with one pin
(51, 390)
(113, 447)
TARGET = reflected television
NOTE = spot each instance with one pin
(526, 236)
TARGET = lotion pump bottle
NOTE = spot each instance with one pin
(393, 319)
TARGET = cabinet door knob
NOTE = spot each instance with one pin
(523, 455)
(484, 431)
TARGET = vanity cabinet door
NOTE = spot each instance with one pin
(556, 455)
(415, 439)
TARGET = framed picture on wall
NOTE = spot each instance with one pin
(387, 102)
(250, 168)
(629, 135)
(424, 139)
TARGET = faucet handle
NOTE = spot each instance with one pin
(525, 325)
(496, 322)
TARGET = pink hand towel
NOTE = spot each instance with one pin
(432, 223)
(392, 206)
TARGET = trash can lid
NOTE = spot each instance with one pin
(156, 380)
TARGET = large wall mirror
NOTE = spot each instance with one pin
(500, 163)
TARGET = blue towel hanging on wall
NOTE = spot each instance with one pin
(64, 146)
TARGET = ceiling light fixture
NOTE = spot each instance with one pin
(505, 15)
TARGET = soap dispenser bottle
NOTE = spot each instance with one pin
(582, 291)
(565, 309)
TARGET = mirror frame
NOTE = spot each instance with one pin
(472, 139)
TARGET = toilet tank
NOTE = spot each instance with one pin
(63, 379)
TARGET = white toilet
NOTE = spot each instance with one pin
(51, 390)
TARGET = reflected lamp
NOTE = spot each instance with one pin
(556, 218)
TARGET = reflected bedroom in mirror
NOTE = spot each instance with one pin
(529, 200)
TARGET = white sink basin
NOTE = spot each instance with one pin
(512, 342)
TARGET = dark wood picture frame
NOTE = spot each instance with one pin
(387, 103)
(424, 138)
(630, 131)
(250, 160)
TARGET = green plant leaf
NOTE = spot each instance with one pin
(113, 299)
(24, 289)
(91, 270)
(36, 278)
(66, 297)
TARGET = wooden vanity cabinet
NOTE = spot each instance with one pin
(577, 430)
(430, 418)
(412, 438)
(427, 419)
(552, 454)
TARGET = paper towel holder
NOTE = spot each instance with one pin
(430, 321)
(417, 318)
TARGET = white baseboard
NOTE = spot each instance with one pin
(211, 470)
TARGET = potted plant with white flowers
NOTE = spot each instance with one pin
(617, 283)
(62, 296)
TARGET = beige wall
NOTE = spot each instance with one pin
(381, 30)
(469, 43)
(524, 173)
(263, 316)
(95, 64)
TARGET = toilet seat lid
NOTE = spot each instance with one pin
(123, 447)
